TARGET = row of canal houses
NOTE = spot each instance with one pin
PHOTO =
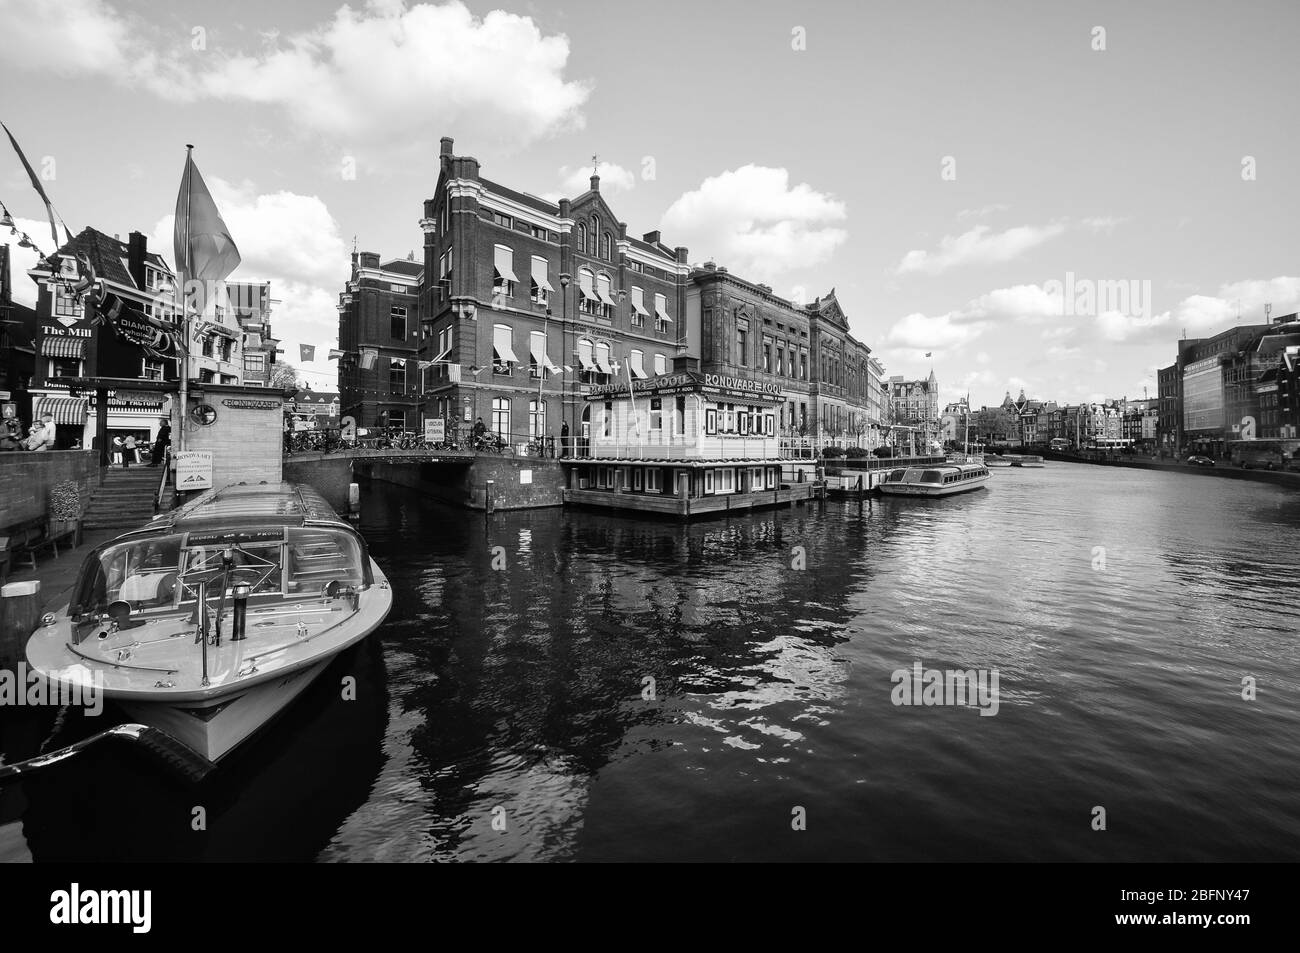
(1021, 422)
(551, 324)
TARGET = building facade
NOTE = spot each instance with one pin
(74, 341)
(916, 407)
(250, 302)
(524, 305)
(380, 335)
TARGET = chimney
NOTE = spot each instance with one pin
(595, 183)
(681, 254)
(651, 238)
(369, 259)
(137, 248)
(446, 144)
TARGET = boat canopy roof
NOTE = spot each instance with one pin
(257, 504)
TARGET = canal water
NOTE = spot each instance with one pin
(561, 685)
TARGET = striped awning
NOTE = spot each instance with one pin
(52, 346)
(64, 410)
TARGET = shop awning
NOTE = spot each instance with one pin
(64, 410)
(67, 347)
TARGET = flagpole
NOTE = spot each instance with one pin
(183, 352)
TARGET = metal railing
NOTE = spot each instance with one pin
(334, 440)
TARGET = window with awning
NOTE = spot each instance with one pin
(637, 361)
(586, 284)
(65, 347)
(602, 359)
(585, 358)
(504, 260)
(603, 290)
(661, 364)
(503, 352)
(661, 308)
(541, 284)
(537, 353)
(638, 302)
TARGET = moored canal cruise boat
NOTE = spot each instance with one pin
(212, 619)
(941, 480)
(686, 444)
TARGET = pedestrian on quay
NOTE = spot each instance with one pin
(117, 450)
(42, 435)
(480, 430)
(128, 451)
(564, 438)
(161, 444)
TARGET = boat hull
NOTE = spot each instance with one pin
(921, 489)
(214, 729)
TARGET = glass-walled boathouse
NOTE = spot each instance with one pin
(686, 444)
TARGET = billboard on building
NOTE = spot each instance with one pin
(1203, 395)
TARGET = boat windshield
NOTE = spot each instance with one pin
(159, 573)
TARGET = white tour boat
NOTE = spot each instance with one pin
(943, 479)
(212, 619)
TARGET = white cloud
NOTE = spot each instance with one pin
(294, 242)
(1104, 223)
(979, 246)
(382, 78)
(613, 179)
(982, 212)
(1203, 315)
(933, 333)
(752, 221)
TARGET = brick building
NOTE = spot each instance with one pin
(250, 304)
(380, 334)
(523, 304)
(73, 343)
(17, 348)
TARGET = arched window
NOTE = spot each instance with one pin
(501, 417)
(588, 302)
(536, 419)
(582, 239)
(606, 244)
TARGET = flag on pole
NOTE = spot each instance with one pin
(334, 355)
(36, 184)
(369, 356)
(928, 353)
(204, 249)
(307, 352)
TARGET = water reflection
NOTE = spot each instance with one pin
(577, 686)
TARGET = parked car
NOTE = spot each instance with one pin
(1197, 460)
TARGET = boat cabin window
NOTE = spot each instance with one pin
(149, 573)
(930, 476)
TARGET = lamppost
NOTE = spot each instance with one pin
(566, 409)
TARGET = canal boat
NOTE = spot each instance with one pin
(997, 462)
(212, 619)
(941, 480)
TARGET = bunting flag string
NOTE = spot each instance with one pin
(307, 352)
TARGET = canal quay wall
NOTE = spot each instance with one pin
(27, 478)
(1220, 469)
(516, 483)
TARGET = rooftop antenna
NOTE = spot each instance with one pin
(595, 166)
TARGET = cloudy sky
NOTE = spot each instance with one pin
(966, 175)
